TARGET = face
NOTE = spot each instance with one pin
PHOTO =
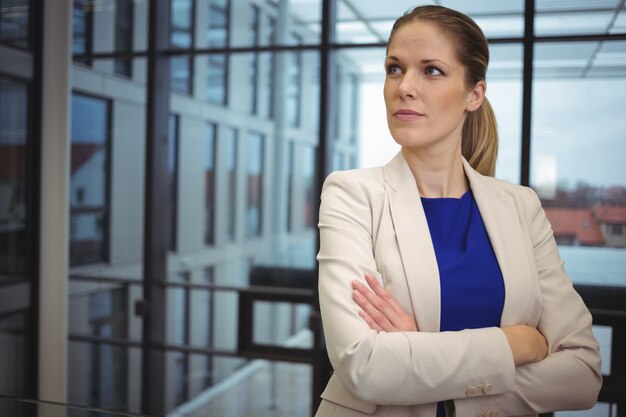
(425, 92)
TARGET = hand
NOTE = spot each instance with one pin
(527, 344)
(379, 309)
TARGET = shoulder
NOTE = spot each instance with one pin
(355, 181)
(525, 198)
(355, 193)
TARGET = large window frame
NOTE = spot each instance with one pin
(106, 218)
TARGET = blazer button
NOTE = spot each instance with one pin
(471, 391)
(487, 388)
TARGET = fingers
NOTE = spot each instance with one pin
(381, 308)
(369, 303)
(370, 321)
(383, 293)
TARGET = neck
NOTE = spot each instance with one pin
(437, 175)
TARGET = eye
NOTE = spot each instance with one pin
(433, 71)
(393, 69)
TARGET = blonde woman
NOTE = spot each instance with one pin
(441, 288)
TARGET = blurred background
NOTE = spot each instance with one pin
(160, 167)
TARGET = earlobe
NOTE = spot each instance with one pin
(477, 96)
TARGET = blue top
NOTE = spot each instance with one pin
(472, 288)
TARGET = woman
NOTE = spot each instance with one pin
(441, 288)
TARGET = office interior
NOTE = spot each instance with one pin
(160, 171)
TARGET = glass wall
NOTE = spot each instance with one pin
(232, 117)
(578, 149)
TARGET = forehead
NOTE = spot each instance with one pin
(421, 38)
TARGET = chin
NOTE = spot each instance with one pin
(410, 140)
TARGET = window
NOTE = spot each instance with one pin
(217, 64)
(181, 21)
(231, 183)
(124, 36)
(180, 67)
(82, 34)
(578, 154)
(217, 30)
(107, 312)
(291, 155)
(268, 37)
(253, 65)
(89, 172)
(254, 196)
(14, 23)
(172, 169)
(179, 334)
(308, 176)
(14, 360)
(216, 79)
(209, 184)
(14, 223)
(617, 229)
(294, 85)
(181, 36)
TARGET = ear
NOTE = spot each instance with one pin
(476, 96)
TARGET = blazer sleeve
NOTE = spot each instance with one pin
(569, 377)
(397, 368)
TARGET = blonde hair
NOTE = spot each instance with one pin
(480, 132)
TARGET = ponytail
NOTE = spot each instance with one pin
(480, 139)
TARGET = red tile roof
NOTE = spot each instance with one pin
(81, 153)
(578, 222)
(610, 214)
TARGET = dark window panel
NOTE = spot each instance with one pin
(209, 184)
(124, 36)
(82, 34)
(13, 177)
(172, 170)
(291, 156)
(308, 173)
(89, 180)
(254, 172)
(231, 181)
(14, 23)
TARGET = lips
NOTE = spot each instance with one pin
(407, 114)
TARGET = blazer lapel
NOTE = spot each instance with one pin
(501, 218)
(416, 248)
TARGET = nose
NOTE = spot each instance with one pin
(408, 86)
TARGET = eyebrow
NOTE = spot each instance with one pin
(423, 61)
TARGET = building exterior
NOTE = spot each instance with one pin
(574, 226)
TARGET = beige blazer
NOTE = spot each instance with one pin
(372, 220)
